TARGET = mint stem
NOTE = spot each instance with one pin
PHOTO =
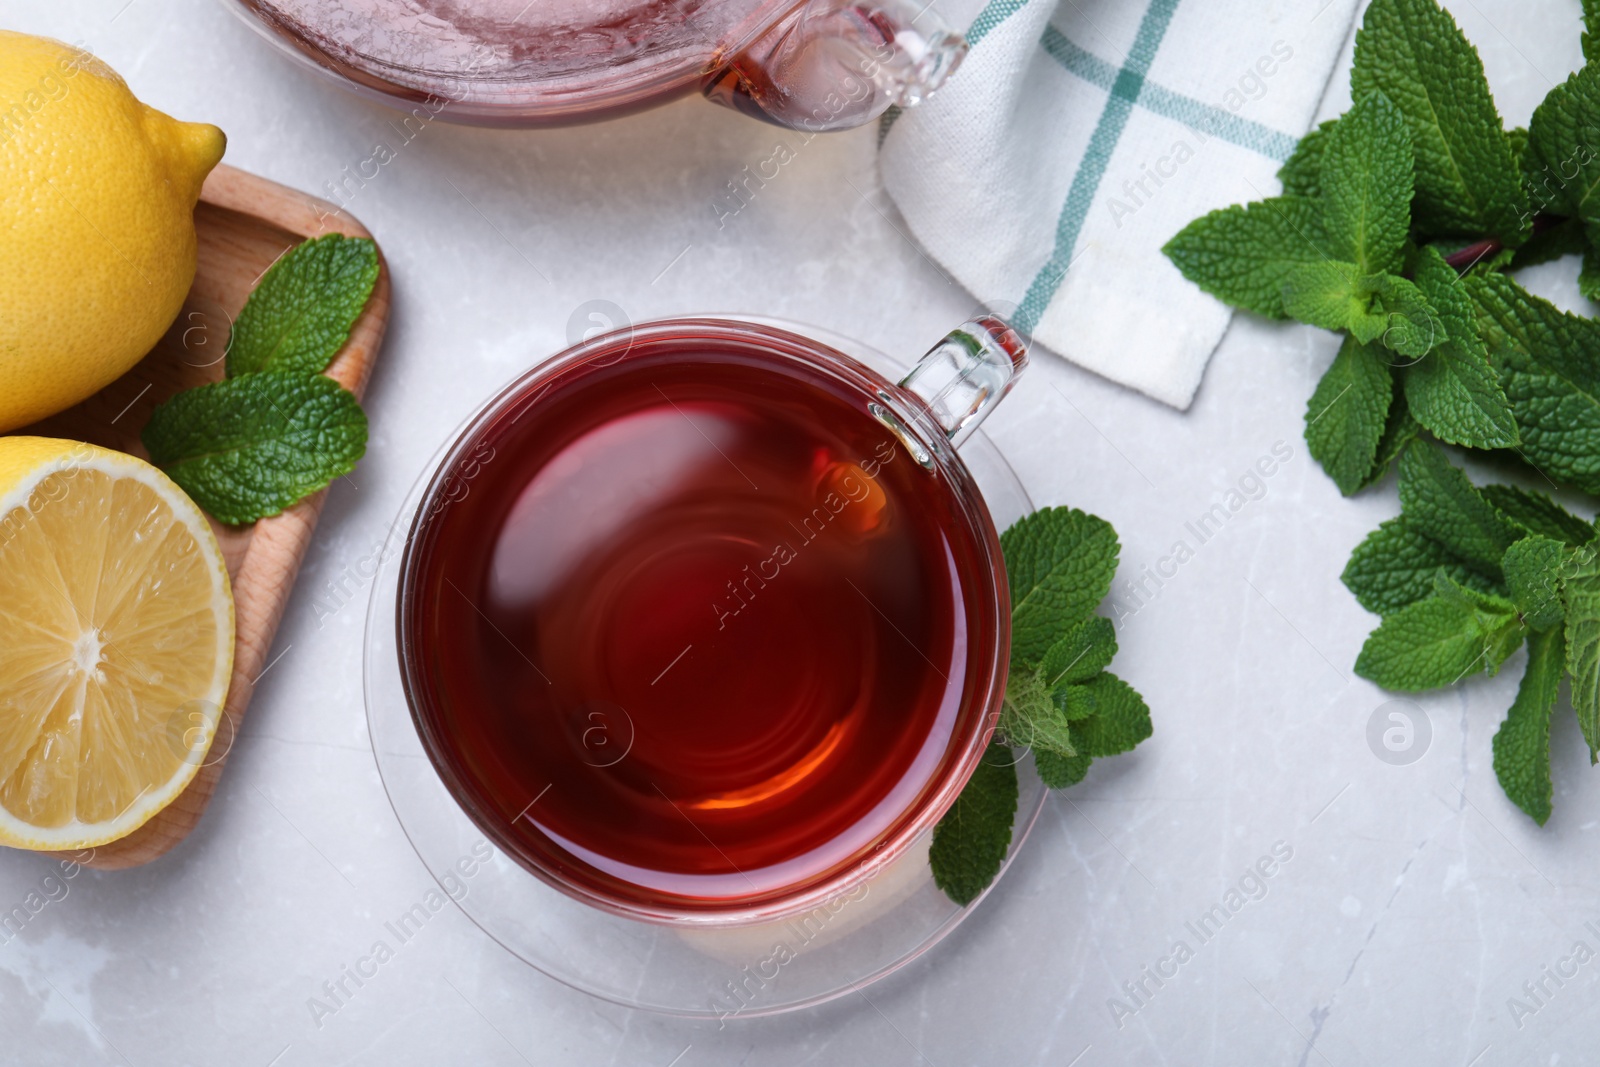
(1463, 260)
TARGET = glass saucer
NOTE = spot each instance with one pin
(723, 972)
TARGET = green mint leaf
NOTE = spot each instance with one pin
(1591, 30)
(1410, 325)
(1401, 430)
(1453, 391)
(1522, 744)
(1565, 238)
(1334, 295)
(1118, 718)
(1301, 173)
(1549, 364)
(1517, 141)
(970, 842)
(1438, 501)
(1059, 772)
(1580, 593)
(1589, 275)
(1396, 565)
(300, 314)
(1328, 293)
(1083, 652)
(1533, 569)
(249, 447)
(1366, 185)
(1240, 254)
(1440, 640)
(1347, 413)
(1075, 702)
(1466, 181)
(1562, 164)
(1030, 718)
(1538, 514)
(1060, 563)
(1501, 640)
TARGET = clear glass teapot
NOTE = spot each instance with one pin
(807, 64)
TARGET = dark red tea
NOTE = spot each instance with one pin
(692, 625)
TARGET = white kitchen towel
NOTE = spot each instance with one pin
(1080, 135)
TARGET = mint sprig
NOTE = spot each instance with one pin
(1061, 703)
(1397, 223)
(276, 429)
(1463, 578)
(1334, 261)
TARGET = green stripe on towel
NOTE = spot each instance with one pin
(991, 16)
(1125, 89)
(1085, 64)
(1211, 121)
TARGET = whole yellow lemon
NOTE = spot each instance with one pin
(97, 195)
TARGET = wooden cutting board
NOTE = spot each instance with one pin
(244, 224)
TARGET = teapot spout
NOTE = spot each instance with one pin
(834, 64)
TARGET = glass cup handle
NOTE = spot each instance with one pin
(964, 376)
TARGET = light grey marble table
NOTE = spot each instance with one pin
(1414, 900)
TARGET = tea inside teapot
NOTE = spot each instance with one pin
(806, 64)
(516, 40)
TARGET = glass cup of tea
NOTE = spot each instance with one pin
(703, 622)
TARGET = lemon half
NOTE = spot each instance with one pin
(116, 640)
